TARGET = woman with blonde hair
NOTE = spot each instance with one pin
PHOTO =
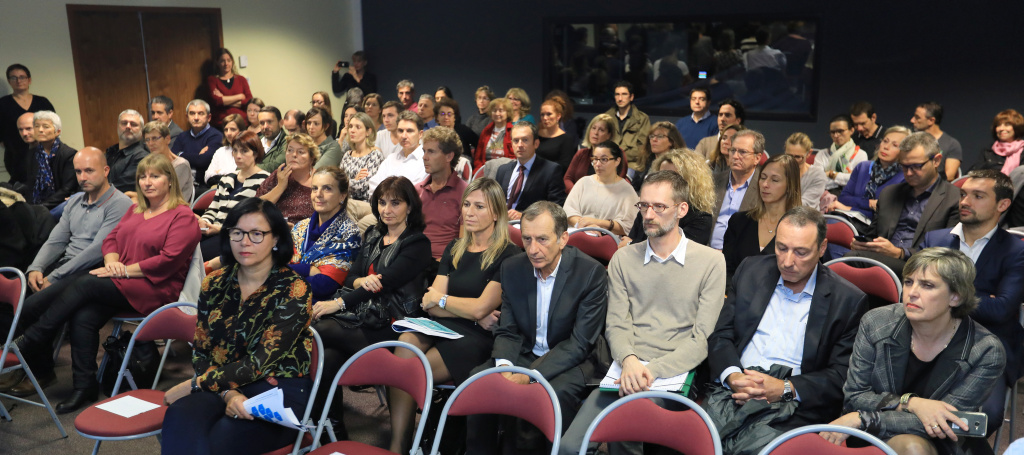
(145, 260)
(465, 297)
(372, 104)
(363, 160)
(812, 178)
(288, 186)
(698, 223)
(603, 127)
(869, 178)
(520, 106)
(718, 160)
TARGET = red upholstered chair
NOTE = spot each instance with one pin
(488, 392)
(876, 279)
(515, 234)
(810, 157)
(316, 367)
(805, 440)
(12, 292)
(960, 181)
(203, 201)
(167, 322)
(600, 247)
(477, 174)
(375, 364)
(636, 418)
(840, 231)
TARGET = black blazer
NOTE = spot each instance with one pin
(544, 182)
(579, 302)
(64, 179)
(942, 211)
(740, 242)
(836, 308)
(405, 270)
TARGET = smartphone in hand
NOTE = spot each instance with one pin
(977, 423)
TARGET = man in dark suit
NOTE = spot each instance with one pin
(999, 260)
(736, 188)
(553, 304)
(529, 178)
(924, 202)
(787, 310)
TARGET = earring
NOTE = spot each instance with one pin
(275, 247)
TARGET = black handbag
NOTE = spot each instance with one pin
(142, 367)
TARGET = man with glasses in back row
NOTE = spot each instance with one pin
(731, 188)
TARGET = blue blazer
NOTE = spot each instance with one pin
(1000, 272)
(853, 192)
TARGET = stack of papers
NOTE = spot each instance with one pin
(425, 326)
(678, 383)
(269, 406)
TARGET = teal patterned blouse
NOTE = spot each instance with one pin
(238, 343)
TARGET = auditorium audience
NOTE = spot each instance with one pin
(124, 156)
(328, 241)
(293, 122)
(407, 95)
(322, 100)
(228, 90)
(869, 178)
(520, 106)
(718, 160)
(253, 336)
(752, 233)
(663, 137)
(649, 336)
(201, 141)
(529, 178)
(730, 112)
(842, 156)
(605, 199)
(222, 162)
(232, 188)
(812, 178)
(161, 109)
(699, 124)
(634, 127)
(496, 138)
(998, 259)
(388, 141)
(441, 192)
(927, 117)
(408, 162)
(784, 336)
(316, 122)
(355, 76)
(157, 137)
(914, 363)
(555, 145)
(288, 186)
(145, 260)
(1008, 132)
(907, 211)
(364, 159)
(372, 106)
(602, 128)
(273, 137)
(732, 189)
(252, 115)
(448, 114)
(12, 107)
(464, 298)
(50, 169)
(869, 132)
(479, 120)
(697, 224)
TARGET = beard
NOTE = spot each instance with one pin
(654, 230)
(128, 136)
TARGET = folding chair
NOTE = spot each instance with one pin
(477, 174)
(600, 247)
(515, 234)
(12, 292)
(376, 364)
(805, 440)
(203, 201)
(464, 168)
(167, 322)
(487, 392)
(840, 231)
(316, 371)
(636, 418)
(876, 280)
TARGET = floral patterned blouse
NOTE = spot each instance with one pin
(238, 343)
(360, 189)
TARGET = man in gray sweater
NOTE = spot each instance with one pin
(664, 298)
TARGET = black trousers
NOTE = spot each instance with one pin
(197, 424)
(88, 302)
(210, 246)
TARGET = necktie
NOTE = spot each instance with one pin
(517, 187)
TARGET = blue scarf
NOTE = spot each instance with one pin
(44, 186)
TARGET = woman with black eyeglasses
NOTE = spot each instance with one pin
(12, 106)
(605, 199)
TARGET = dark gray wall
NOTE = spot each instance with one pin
(895, 54)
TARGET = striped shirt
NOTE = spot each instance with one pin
(226, 197)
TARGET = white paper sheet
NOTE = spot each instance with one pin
(269, 406)
(673, 384)
(425, 326)
(128, 406)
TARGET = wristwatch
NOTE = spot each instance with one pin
(195, 386)
(787, 391)
(444, 301)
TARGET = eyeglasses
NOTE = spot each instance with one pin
(836, 132)
(736, 151)
(18, 78)
(914, 167)
(657, 136)
(658, 208)
(446, 114)
(255, 236)
(602, 160)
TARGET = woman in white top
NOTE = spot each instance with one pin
(842, 156)
(605, 199)
(158, 139)
(363, 160)
(222, 162)
(812, 178)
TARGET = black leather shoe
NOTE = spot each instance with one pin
(25, 388)
(10, 380)
(78, 399)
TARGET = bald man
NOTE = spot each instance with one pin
(15, 155)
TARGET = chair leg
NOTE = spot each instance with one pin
(163, 359)
(4, 415)
(1007, 406)
(381, 396)
(96, 448)
(106, 357)
(42, 396)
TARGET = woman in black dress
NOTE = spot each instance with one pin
(464, 297)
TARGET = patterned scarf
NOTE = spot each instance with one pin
(880, 175)
(840, 159)
(44, 186)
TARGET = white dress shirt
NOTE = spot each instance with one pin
(974, 251)
(678, 254)
(410, 167)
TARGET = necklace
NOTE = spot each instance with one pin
(770, 227)
(956, 325)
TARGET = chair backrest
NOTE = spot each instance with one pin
(959, 182)
(598, 247)
(477, 174)
(636, 418)
(876, 279)
(377, 365)
(12, 292)
(194, 278)
(464, 168)
(810, 157)
(166, 322)
(515, 234)
(839, 231)
(488, 392)
(805, 440)
(204, 200)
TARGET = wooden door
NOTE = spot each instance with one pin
(124, 56)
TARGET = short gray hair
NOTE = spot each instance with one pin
(51, 116)
(802, 215)
(955, 269)
(427, 97)
(167, 102)
(405, 83)
(758, 139)
(354, 97)
(921, 139)
(131, 112)
(557, 214)
(198, 102)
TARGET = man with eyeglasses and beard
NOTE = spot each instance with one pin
(658, 324)
(124, 156)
